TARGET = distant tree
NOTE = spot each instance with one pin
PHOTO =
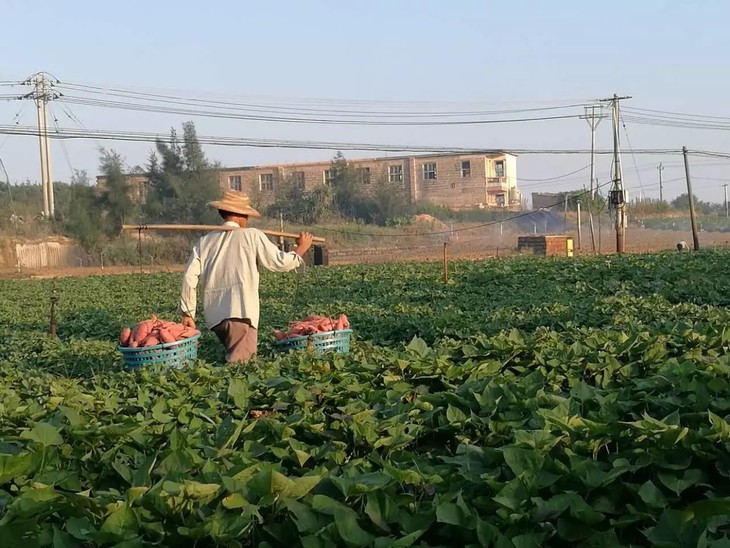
(182, 180)
(681, 202)
(114, 198)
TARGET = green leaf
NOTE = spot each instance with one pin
(233, 501)
(652, 495)
(304, 518)
(121, 523)
(678, 484)
(673, 531)
(523, 460)
(239, 391)
(62, 540)
(455, 415)
(43, 433)
(419, 347)
(80, 528)
(158, 412)
(363, 483)
(349, 529)
(194, 490)
(448, 512)
(15, 466)
(271, 482)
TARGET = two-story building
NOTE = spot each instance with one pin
(456, 181)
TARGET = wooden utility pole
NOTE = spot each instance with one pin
(617, 196)
(695, 237)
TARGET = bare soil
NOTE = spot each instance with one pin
(485, 244)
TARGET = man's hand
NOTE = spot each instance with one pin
(187, 321)
(304, 242)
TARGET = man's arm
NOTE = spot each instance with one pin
(272, 258)
(188, 292)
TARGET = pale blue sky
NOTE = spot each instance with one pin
(668, 55)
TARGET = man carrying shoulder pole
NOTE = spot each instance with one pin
(227, 263)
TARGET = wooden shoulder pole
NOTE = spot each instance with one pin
(210, 228)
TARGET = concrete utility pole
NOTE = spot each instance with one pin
(617, 196)
(41, 94)
(593, 115)
(727, 212)
(661, 187)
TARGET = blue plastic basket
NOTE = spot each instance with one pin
(176, 354)
(320, 343)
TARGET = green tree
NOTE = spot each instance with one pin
(114, 199)
(681, 202)
(84, 216)
(182, 180)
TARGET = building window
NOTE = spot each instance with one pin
(298, 179)
(395, 174)
(266, 182)
(234, 182)
(363, 175)
(329, 177)
(466, 168)
(499, 168)
(500, 200)
(429, 172)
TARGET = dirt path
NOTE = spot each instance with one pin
(482, 246)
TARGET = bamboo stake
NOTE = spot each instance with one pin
(446, 265)
(274, 233)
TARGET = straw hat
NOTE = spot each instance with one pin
(235, 202)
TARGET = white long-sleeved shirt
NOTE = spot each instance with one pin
(227, 263)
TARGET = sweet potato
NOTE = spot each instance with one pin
(133, 344)
(124, 336)
(142, 330)
(151, 341)
(166, 336)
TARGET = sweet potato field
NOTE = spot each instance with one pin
(526, 403)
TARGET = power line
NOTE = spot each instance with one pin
(118, 105)
(557, 176)
(268, 108)
(68, 133)
(163, 92)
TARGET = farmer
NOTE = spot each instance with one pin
(227, 262)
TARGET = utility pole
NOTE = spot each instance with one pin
(617, 196)
(727, 212)
(580, 242)
(593, 118)
(661, 187)
(41, 94)
(692, 219)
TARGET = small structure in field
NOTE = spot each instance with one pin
(549, 246)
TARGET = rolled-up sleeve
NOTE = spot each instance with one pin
(188, 292)
(272, 258)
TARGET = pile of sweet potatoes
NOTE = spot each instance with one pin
(153, 332)
(312, 325)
